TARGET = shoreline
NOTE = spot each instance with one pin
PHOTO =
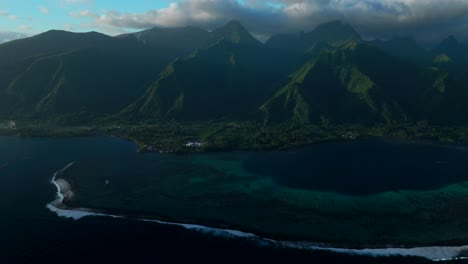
(434, 253)
(143, 148)
(244, 136)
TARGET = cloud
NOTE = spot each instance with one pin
(25, 28)
(43, 9)
(84, 13)
(8, 15)
(6, 36)
(373, 18)
(68, 27)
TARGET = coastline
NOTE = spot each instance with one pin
(175, 137)
(434, 253)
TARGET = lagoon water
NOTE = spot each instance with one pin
(31, 233)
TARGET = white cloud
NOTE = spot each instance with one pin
(6, 36)
(68, 27)
(8, 15)
(25, 28)
(84, 13)
(43, 9)
(373, 18)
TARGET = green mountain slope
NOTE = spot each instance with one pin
(227, 80)
(327, 75)
(60, 72)
(100, 79)
(360, 84)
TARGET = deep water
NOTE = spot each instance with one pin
(29, 233)
(366, 166)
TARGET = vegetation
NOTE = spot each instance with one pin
(166, 87)
(173, 136)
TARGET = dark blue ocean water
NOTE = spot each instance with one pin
(29, 233)
(366, 166)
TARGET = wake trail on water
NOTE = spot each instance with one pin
(434, 253)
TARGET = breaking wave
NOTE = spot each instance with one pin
(435, 253)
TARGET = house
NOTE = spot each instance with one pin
(194, 144)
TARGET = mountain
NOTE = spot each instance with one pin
(61, 72)
(227, 80)
(46, 43)
(7, 36)
(327, 75)
(359, 83)
(99, 79)
(405, 48)
(236, 33)
(174, 42)
(334, 33)
(453, 49)
(447, 45)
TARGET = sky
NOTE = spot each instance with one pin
(428, 21)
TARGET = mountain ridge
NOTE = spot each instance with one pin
(327, 75)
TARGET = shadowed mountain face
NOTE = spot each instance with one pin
(235, 33)
(360, 83)
(334, 33)
(173, 42)
(83, 73)
(327, 75)
(450, 50)
(47, 43)
(227, 80)
(405, 49)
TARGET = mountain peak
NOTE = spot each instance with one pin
(450, 41)
(333, 23)
(448, 45)
(336, 25)
(234, 23)
(56, 32)
(236, 33)
(334, 32)
(405, 48)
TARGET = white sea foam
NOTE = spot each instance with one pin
(74, 214)
(436, 253)
(208, 230)
(60, 197)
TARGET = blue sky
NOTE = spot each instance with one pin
(425, 20)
